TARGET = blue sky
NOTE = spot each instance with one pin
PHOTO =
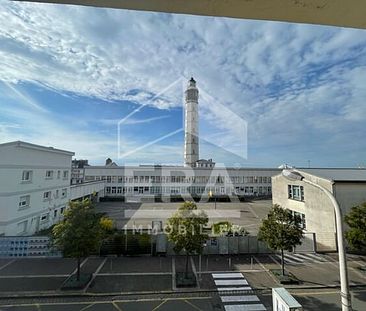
(270, 92)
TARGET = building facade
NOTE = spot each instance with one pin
(77, 171)
(315, 209)
(181, 181)
(34, 187)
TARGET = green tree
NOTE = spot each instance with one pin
(356, 221)
(80, 232)
(185, 230)
(281, 231)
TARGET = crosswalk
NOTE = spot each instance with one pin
(298, 259)
(235, 282)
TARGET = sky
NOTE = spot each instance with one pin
(110, 83)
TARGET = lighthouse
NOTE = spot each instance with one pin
(191, 139)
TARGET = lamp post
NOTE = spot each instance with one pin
(343, 274)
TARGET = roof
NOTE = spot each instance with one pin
(337, 174)
(23, 144)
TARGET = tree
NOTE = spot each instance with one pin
(356, 234)
(185, 229)
(226, 228)
(281, 231)
(80, 232)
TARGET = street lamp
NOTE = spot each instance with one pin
(345, 296)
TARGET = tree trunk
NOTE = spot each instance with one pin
(78, 270)
(282, 263)
(186, 273)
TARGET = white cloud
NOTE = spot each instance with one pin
(287, 81)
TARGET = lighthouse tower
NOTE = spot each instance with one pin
(191, 140)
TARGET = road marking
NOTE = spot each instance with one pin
(116, 306)
(157, 307)
(239, 298)
(81, 265)
(222, 289)
(34, 276)
(7, 264)
(94, 274)
(101, 301)
(318, 257)
(230, 282)
(251, 307)
(87, 307)
(292, 259)
(227, 275)
(194, 306)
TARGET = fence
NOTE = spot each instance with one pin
(139, 244)
(27, 246)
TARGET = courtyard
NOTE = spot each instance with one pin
(129, 215)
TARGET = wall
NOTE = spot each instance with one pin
(318, 210)
(16, 158)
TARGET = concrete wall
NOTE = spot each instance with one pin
(317, 208)
(86, 189)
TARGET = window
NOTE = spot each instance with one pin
(56, 194)
(22, 227)
(49, 174)
(296, 192)
(62, 210)
(301, 217)
(64, 193)
(58, 174)
(65, 174)
(44, 217)
(47, 195)
(55, 213)
(27, 176)
(24, 201)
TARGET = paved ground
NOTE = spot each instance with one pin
(156, 304)
(247, 214)
(134, 275)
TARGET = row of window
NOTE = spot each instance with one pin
(24, 200)
(22, 226)
(296, 192)
(192, 190)
(27, 175)
(181, 179)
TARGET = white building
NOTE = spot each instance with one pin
(35, 187)
(346, 184)
(165, 182)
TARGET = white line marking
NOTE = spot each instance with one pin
(7, 264)
(239, 298)
(293, 260)
(224, 289)
(227, 275)
(318, 257)
(255, 307)
(230, 282)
